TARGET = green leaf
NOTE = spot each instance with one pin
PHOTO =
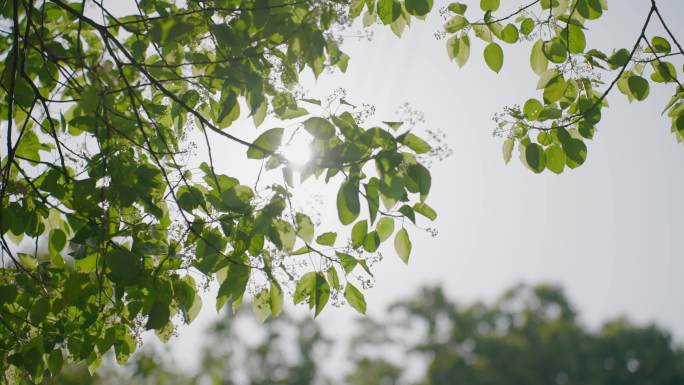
(555, 89)
(23, 92)
(158, 316)
(418, 7)
(463, 50)
(493, 55)
(415, 143)
(190, 198)
(575, 151)
(661, 45)
(385, 228)
(421, 176)
(455, 24)
(348, 207)
(55, 361)
(664, 72)
(57, 241)
(260, 114)
(639, 87)
(619, 58)
(348, 262)
(425, 210)
(394, 125)
(236, 282)
(483, 32)
(276, 300)
(286, 235)
(7, 294)
(408, 212)
(327, 239)
(453, 45)
(305, 228)
(305, 287)
(389, 11)
(319, 128)
(333, 278)
(555, 159)
(261, 305)
(589, 9)
(458, 8)
(355, 298)
(573, 38)
(373, 198)
(237, 198)
(534, 155)
(538, 60)
(227, 111)
(371, 242)
(510, 34)
(321, 294)
(555, 51)
(402, 245)
(359, 232)
(266, 143)
(527, 26)
(532, 108)
(39, 310)
(508, 145)
(679, 123)
(124, 266)
(489, 5)
(293, 113)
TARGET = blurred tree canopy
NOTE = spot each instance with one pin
(107, 225)
(530, 335)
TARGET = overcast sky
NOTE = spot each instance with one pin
(610, 231)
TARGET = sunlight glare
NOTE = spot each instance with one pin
(297, 150)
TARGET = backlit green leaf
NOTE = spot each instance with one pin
(538, 60)
(458, 8)
(532, 108)
(508, 149)
(534, 155)
(509, 34)
(418, 7)
(348, 207)
(661, 45)
(455, 24)
(266, 143)
(555, 159)
(327, 239)
(355, 298)
(415, 143)
(489, 5)
(388, 11)
(385, 228)
(402, 245)
(319, 128)
(359, 231)
(639, 87)
(57, 241)
(305, 227)
(493, 55)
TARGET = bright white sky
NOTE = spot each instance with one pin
(610, 232)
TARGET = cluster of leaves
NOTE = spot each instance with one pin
(394, 13)
(551, 132)
(104, 227)
(530, 335)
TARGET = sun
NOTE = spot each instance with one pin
(296, 150)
